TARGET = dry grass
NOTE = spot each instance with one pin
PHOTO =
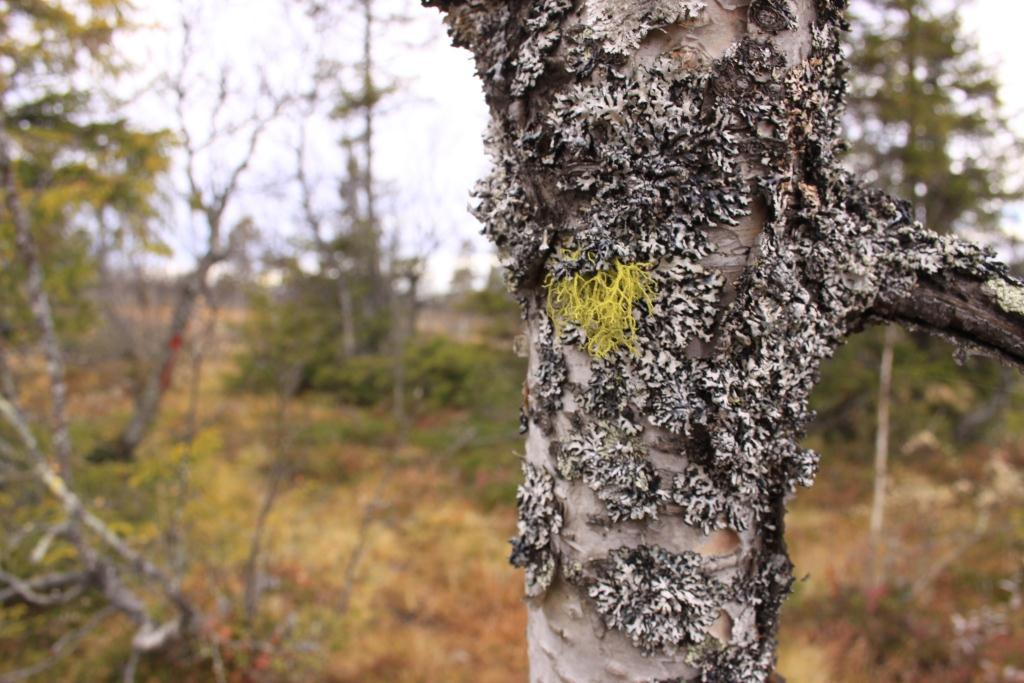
(432, 597)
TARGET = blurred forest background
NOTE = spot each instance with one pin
(244, 438)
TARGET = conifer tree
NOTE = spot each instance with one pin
(925, 117)
(925, 122)
(74, 155)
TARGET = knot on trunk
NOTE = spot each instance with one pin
(773, 16)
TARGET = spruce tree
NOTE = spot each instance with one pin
(74, 155)
(925, 118)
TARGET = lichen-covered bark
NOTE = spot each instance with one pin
(697, 140)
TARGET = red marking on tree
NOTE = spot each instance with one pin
(166, 372)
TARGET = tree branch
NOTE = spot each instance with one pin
(105, 571)
(941, 284)
(211, 204)
(39, 591)
(985, 315)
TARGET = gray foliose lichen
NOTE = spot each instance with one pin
(615, 468)
(540, 520)
(661, 600)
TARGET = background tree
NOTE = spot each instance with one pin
(74, 162)
(925, 122)
(348, 520)
(64, 159)
(362, 297)
(209, 198)
(925, 117)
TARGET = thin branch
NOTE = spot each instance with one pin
(8, 385)
(58, 487)
(882, 429)
(362, 541)
(987, 411)
(326, 253)
(39, 591)
(937, 568)
(260, 124)
(42, 547)
(289, 385)
(959, 292)
(212, 205)
(366, 521)
(131, 666)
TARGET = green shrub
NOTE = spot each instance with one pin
(361, 381)
(439, 373)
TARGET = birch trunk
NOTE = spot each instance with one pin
(687, 250)
(881, 488)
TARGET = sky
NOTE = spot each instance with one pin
(430, 148)
(996, 26)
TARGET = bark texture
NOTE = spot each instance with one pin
(687, 249)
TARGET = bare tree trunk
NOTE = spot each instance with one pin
(332, 263)
(39, 303)
(877, 524)
(688, 250)
(398, 367)
(403, 305)
(288, 385)
(100, 565)
(210, 201)
(159, 378)
(372, 234)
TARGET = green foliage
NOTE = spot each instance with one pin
(280, 336)
(69, 273)
(296, 327)
(361, 381)
(926, 124)
(933, 399)
(277, 337)
(925, 115)
(440, 373)
(77, 162)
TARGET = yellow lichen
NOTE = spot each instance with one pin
(602, 304)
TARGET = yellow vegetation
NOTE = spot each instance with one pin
(601, 305)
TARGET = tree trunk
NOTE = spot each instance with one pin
(668, 203)
(159, 377)
(39, 304)
(881, 489)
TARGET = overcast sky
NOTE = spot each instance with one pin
(430, 148)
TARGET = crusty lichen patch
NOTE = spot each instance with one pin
(1009, 295)
(620, 25)
(615, 468)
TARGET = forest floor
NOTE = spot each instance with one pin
(386, 562)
